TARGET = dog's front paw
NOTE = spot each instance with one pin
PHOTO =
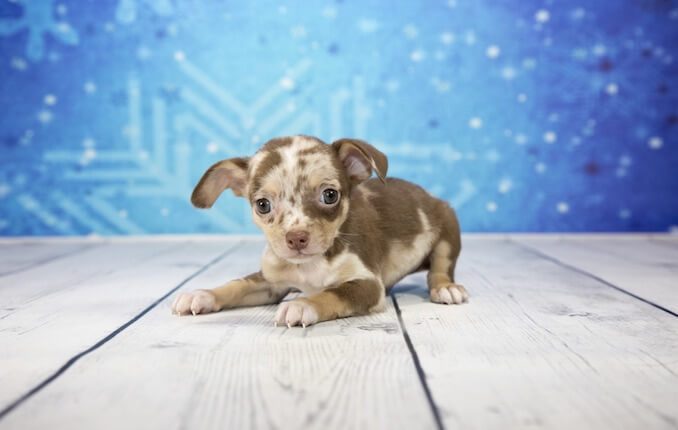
(296, 312)
(195, 302)
(449, 293)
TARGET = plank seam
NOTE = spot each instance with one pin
(110, 336)
(590, 275)
(417, 366)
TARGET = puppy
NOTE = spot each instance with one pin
(333, 233)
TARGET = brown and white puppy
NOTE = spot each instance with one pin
(339, 237)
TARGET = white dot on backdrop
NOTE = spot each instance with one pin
(417, 55)
(89, 87)
(521, 139)
(89, 154)
(298, 32)
(624, 214)
(392, 85)
(4, 190)
(522, 98)
(212, 147)
(540, 167)
(492, 51)
(470, 38)
(368, 25)
(50, 100)
(164, 212)
(329, 12)
(563, 207)
(447, 38)
(410, 31)
(440, 85)
(542, 15)
(122, 213)
(45, 116)
(179, 56)
(508, 73)
(655, 142)
(599, 49)
(475, 122)
(578, 13)
(505, 185)
(529, 63)
(143, 53)
(19, 63)
(612, 89)
(287, 83)
(550, 137)
(491, 206)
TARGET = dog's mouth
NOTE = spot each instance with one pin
(300, 257)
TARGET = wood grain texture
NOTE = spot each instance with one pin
(645, 267)
(60, 308)
(235, 370)
(542, 346)
(17, 257)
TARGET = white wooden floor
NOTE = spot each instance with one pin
(561, 332)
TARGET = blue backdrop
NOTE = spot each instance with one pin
(525, 115)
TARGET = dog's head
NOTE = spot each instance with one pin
(298, 188)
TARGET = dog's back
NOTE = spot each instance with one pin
(393, 225)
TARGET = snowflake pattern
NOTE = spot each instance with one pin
(38, 20)
(126, 11)
(547, 116)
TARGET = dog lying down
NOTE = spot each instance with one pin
(333, 233)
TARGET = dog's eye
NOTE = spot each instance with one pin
(330, 196)
(263, 206)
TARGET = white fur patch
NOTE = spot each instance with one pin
(315, 274)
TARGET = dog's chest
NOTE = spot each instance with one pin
(318, 274)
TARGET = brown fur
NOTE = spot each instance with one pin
(379, 231)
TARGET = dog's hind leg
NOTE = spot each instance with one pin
(442, 262)
(252, 290)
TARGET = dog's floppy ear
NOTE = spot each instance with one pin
(360, 158)
(231, 173)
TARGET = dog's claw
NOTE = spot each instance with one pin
(289, 325)
(303, 325)
(193, 312)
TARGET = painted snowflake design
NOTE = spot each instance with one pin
(127, 9)
(38, 19)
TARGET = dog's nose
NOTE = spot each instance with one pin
(297, 240)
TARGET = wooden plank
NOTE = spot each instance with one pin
(641, 266)
(542, 346)
(235, 370)
(23, 256)
(61, 308)
(73, 270)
